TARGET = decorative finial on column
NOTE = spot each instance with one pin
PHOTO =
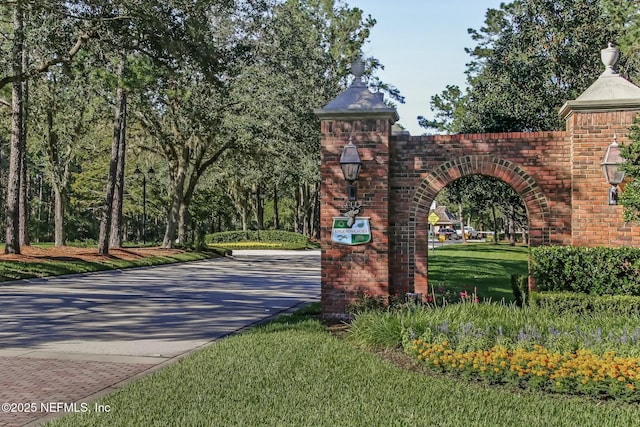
(357, 69)
(609, 58)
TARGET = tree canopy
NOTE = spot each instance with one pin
(531, 56)
(216, 97)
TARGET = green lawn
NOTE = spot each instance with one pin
(13, 270)
(297, 374)
(485, 266)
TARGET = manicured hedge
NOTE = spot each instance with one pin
(569, 302)
(597, 271)
(257, 236)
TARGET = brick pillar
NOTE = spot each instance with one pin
(607, 108)
(593, 221)
(348, 271)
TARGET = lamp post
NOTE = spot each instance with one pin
(351, 164)
(611, 167)
(137, 174)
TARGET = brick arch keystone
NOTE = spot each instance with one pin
(534, 199)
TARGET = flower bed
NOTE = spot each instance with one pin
(580, 372)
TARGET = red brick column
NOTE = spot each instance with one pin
(593, 221)
(348, 271)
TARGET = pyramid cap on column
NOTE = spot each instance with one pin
(610, 92)
(357, 101)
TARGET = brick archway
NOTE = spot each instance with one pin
(557, 174)
(533, 197)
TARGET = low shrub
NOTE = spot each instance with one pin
(563, 302)
(289, 239)
(598, 271)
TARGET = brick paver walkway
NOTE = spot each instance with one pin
(42, 383)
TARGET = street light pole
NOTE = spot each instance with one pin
(144, 210)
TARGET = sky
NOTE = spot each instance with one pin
(421, 45)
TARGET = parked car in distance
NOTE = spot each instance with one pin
(448, 233)
(471, 232)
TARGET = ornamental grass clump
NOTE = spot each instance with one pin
(581, 372)
(481, 326)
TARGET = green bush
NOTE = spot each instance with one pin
(597, 271)
(257, 236)
(578, 303)
(520, 287)
(561, 302)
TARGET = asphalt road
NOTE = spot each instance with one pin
(159, 311)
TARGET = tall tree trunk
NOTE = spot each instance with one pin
(12, 244)
(512, 227)
(105, 222)
(115, 239)
(183, 218)
(495, 223)
(314, 208)
(297, 213)
(306, 214)
(464, 237)
(173, 217)
(244, 212)
(60, 197)
(24, 172)
(259, 211)
(276, 212)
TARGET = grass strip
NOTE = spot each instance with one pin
(13, 270)
(294, 373)
(486, 267)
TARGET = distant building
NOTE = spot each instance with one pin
(447, 219)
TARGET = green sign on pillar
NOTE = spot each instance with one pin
(351, 230)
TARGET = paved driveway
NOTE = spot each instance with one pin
(65, 339)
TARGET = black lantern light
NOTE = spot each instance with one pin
(612, 171)
(350, 163)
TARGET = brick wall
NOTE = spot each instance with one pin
(594, 222)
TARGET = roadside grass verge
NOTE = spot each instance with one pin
(14, 270)
(293, 372)
(486, 267)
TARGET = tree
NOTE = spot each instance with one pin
(65, 113)
(12, 244)
(301, 61)
(630, 195)
(116, 166)
(624, 15)
(449, 107)
(185, 123)
(532, 56)
(486, 197)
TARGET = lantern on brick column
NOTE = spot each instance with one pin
(612, 171)
(350, 163)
